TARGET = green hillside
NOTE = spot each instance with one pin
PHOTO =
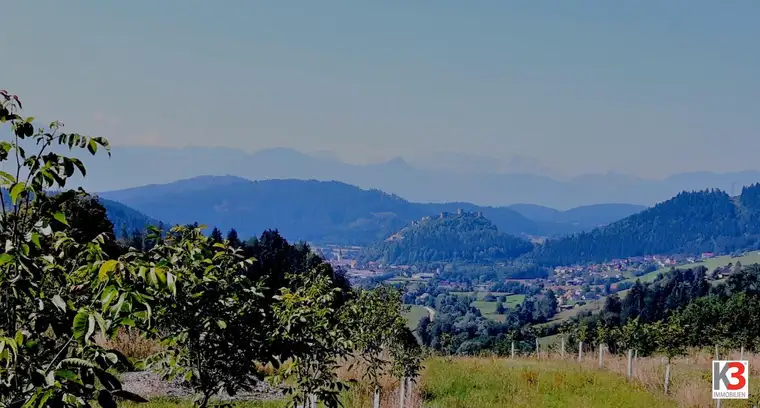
(456, 238)
(691, 222)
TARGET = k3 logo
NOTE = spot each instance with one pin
(730, 379)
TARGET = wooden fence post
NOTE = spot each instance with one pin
(601, 355)
(630, 363)
(513, 350)
(667, 377)
(538, 350)
(562, 348)
(401, 393)
(409, 389)
(580, 351)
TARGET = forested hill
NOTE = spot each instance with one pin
(460, 237)
(125, 219)
(691, 222)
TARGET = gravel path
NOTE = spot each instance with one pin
(149, 385)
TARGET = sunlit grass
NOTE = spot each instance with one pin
(486, 382)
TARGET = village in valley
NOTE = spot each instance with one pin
(573, 286)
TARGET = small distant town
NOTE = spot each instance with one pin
(573, 285)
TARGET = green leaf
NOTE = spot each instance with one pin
(35, 238)
(101, 322)
(59, 303)
(80, 324)
(105, 269)
(16, 190)
(77, 362)
(19, 338)
(222, 324)
(171, 283)
(7, 177)
(67, 375)
(92, 146)
(109, 381)
(109, 294)
(61, 217)
(5, 258)
(90, 327)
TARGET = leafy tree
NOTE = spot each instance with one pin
(56, 292)
(500, 308)
(377, 322)
(310, 323)
(214, 320)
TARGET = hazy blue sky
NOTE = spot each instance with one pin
(642, 87)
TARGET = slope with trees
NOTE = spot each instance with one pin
(691, 222)
(677, 311)
(455, 238)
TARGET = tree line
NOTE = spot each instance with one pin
(460, 328)
(677, 311)
(221, 310)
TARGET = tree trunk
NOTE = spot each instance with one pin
(401, 393)
(580, 351)
(630, 363)
(313, 400)
(376, 399)
(741, 355)
(667, 377)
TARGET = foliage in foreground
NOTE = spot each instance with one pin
(219, 318)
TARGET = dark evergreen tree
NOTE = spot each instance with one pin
(216, 235)
(137, 240)
(234, 240)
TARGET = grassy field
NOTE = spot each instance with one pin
(552, 381)
(486, 383)
(710, 264)
(172, 403)
(488, 309)
(414, 315)
(480, 295)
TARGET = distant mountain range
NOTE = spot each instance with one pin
(430, 180)
(395, 229)
(331, 212)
